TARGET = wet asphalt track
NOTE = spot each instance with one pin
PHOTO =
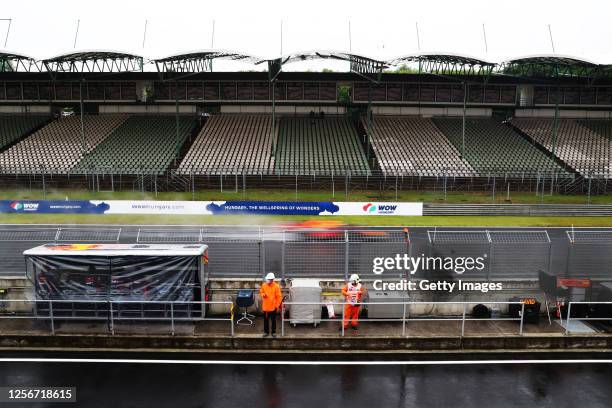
(105, 384)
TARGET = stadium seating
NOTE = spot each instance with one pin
(493, 147)
(414, 146)
(12, 127)
(328, 145)
(57, 147)
(230, 143)
(601, 127)
(578, 146)
(140, 144)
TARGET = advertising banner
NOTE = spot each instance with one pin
(210, 207)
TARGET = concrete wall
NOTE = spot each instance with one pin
(283, 109)
(430, 111)
(25, 109)
(564, 114)
(226, 289)
(15, 288)
(146, 109)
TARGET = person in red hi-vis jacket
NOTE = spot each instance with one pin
(353, 293)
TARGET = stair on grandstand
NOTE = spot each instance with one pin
(57, 147)
(16, 127)
(494, 148)
(584, 145)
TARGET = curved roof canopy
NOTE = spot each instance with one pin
(367, 67)
(201, 60)
(94, 61)
(551, 65)
(13, 62)
(324, 54)
(445, 63)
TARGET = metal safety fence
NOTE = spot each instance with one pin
(113, 311)
(339, 183)
(405, 318)
(335, 253)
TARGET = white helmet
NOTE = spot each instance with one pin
(354, 278)
(270, 276)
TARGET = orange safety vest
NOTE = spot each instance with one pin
(271, 296)
(352, 293)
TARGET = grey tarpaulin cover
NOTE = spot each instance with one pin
(121, 278)
(307, 291)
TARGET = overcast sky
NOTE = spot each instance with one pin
(383, 30)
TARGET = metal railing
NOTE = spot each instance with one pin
(114, 311)
(405, 313)
(569, 312)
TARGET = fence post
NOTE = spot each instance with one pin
(463, 320)
(404, 321)
(522, 317)
(343, 308)
(172, 317)
(346, 255)
(51, 314)
(282, 320)
(567, 321)
(283, 255)
(232, 318)
(111, 321)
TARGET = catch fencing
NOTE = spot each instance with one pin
(336, 253)
(340, 183)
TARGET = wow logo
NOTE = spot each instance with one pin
(380, 208)
(16, 206)
(369, 208)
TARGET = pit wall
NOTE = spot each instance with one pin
(15, 288)
(225, 289)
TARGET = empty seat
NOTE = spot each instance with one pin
(141, 144)
(492, 147)
(59, 146)
(413, 146)
(325, 146)
(231, 144)
(580, 144)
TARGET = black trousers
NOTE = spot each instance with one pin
(269, 316)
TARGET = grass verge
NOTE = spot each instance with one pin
(455, 221)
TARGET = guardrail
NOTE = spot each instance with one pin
(569, 311)
(405, 314)
(114, 310)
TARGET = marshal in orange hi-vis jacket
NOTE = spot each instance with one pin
(353, 293)
(271, 296)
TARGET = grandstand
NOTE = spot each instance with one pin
(140, 144)
(492, 147)
(58, 147)
(230, 143)
(415, 146)
(578, 146)
(14, 127)
(132, 107)
(321, 145)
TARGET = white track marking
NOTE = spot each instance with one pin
(305, 363)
